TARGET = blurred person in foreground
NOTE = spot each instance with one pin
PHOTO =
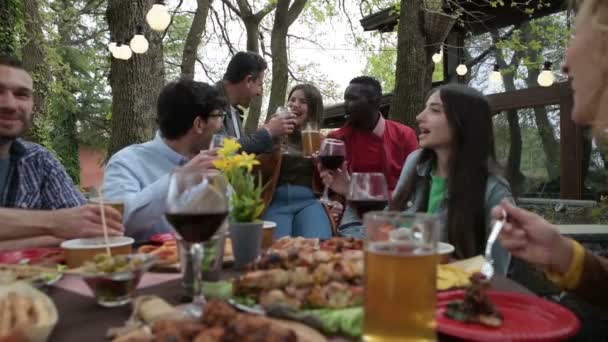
(529, 236)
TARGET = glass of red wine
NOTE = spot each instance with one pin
(331, 156)
(367, 192)
(197, 205)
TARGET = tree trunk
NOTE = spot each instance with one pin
(546, 133)
(194, 38)
(136, 82)
(9, 10)
(513, 173)
(284, 16)
(34, 60)
(410, 84)
(253, 44)
(278, 48)
(252, 27)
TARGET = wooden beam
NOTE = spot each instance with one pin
(531, 97)
(571, 151)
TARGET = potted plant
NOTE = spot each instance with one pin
(246, 203)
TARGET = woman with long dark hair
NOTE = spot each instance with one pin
(453, 174)
(289, 195)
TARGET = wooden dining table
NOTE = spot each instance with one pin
(81, 319)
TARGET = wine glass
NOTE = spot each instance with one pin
(197, 205)
(367, 192)
(217, 141)
(331, 156)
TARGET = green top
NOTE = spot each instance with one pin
(436, 194)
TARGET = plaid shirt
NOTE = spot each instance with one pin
(37, 180)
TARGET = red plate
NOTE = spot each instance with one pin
(526, 318)
(34, 255)
(162, 238)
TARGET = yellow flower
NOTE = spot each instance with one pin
(247, 161)
(225, 165)
(231, 146)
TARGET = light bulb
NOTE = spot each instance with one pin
(126, 52)
(158, 17)
(546, 78)
(111, 47)
(116, 52)
(496, 76)
(139, 43)
(437, 57)
(462, 70)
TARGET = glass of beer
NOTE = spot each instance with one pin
(311, 139)
(114, 203)
(400, 276)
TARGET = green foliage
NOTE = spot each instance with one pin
(381, 65)
(11, 26)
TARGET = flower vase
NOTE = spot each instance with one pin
(246, 242)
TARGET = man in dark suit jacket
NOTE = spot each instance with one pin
(243, 81)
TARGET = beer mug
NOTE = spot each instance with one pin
(311, 139)
(400, 276)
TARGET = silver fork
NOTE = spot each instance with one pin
(487, 269)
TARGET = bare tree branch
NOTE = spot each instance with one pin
(295, 10)
(172, 16)
(491, 49)
(264, 11)
(290, 35)
(205, 70)
(224, 34)
(229, 4)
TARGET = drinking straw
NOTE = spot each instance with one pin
(103, 223)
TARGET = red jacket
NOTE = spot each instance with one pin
(368, 152)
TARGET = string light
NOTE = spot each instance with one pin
(438, 56)
(546, 78)
(116, 51)
(158, 16)
(496, 76)
(111, 47)
(462, 69)
(139, 43)
(126, 53)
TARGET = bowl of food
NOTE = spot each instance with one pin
(27, 314)
(445, 252)
(113, 279)
(78, 251)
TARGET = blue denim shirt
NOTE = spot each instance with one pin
(497, 189)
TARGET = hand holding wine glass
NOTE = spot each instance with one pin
(367, 192)
(331, 156)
